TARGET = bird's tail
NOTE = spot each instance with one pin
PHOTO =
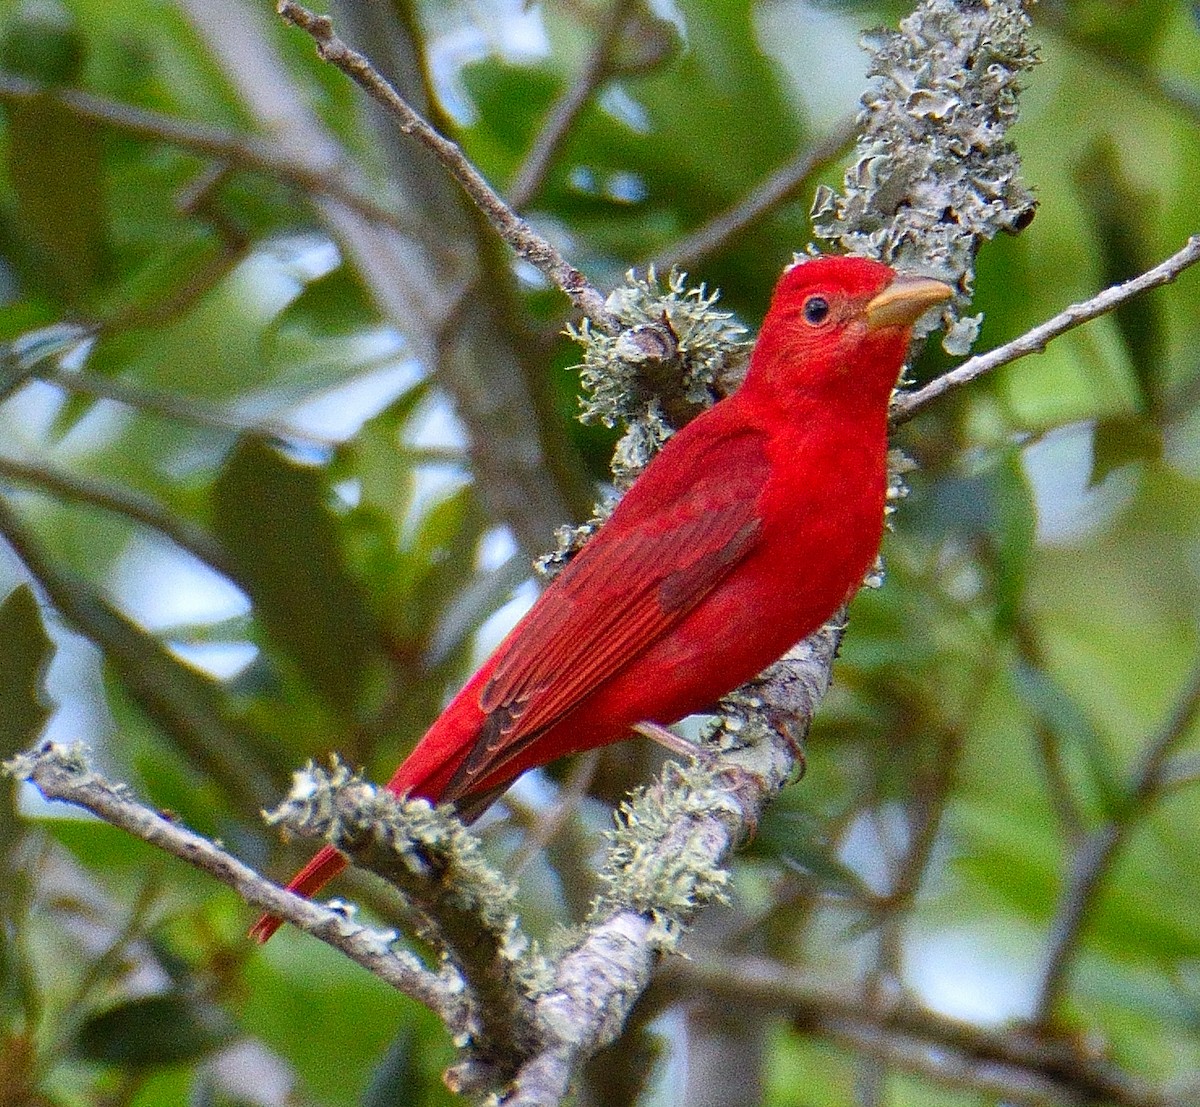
(309, 880)
(424, 773)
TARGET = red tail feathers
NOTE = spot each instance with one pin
(310, 879)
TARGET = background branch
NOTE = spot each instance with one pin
(531, 175)
(244, 151)
(532, 247)
(1006, 1062)
(1094, 858)
(63, 773)
(906, 405)
(764, 198)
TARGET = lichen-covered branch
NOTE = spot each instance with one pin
(464, 907)
(934, 175)
(535, 249)
(1034, 341)
(63, 773)
(669, 853)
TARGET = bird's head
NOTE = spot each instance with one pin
(841, 323)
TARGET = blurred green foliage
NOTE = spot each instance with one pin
(234, 370)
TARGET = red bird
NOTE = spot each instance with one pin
(751, 527)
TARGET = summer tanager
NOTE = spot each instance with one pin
(751, 527)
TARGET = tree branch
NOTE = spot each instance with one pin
(63, 773)
(183, 409)
(244, 151)
(689, 830)
(906, 405)
(1011, 1063)
(531, 174)
(1095, 857)
(764, 198)
(527, 244)
(464, 906)
(121, 501)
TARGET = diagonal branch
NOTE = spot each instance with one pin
(1034, 341)
(526, 242)
(63, 773)
(764, 198)
(531, 174)
(121, 501)
(1095, 858)
(242, 150)
(462, 905)
(597, 983)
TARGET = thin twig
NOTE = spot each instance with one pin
(940, 1047)
(905, 406)
(531, 174)
(573, 790)
(62, 773)
(764, 198)
(183, 409)
(121, 501)
(1095, 857)
(535, 249)
(245, 151)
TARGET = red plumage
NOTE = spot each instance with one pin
(749, 529)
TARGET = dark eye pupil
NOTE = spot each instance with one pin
(816, 308)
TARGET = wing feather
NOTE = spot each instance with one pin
(620, 594)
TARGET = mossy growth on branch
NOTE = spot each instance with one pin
(659, 863)
(424, 851)
(670, 358)
(934, 174)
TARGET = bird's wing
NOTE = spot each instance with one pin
(671, 541)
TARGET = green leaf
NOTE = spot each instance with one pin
(1013, 527)
(1121, 218)
(53, 158)
(285, 546)
(332, 306)
(25, 650)
(156, 1030)
(1084, 757)
(43, 42)
(1123, 440)
(53, 161)
(398, 1077)
(189, 708)
(438, 564)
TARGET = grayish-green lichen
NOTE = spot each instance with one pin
(934, 174)
(70, 758)
(652, 867)
(612, 364)
(699, 340)
(676, 329)
(338, 805)
(444, 859)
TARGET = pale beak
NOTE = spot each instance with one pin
(905, 300)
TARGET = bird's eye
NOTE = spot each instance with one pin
(816, 310)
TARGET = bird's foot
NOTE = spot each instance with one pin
(670, 741)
